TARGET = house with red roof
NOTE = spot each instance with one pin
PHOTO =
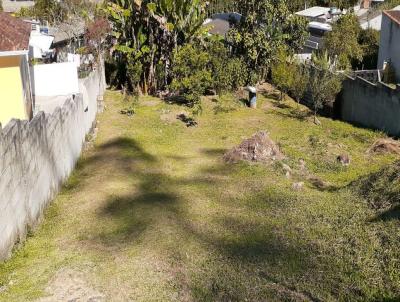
(15, 84)
(389, 49)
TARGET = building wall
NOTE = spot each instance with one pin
(55, 79)
(390, 45)
(375, 106)
(12, 99)
(37, 156)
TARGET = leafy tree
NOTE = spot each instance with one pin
(228, 72)
(283, 73)
(97, 33)
(220, 6)
(324, 84)
(369, 40)
(149, 32)
(265, 27)
(1, 5)
(301, 77)
(342, 42)
(191, 73)
(46, 10)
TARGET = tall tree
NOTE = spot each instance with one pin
(147, 33)
(324, 83)
(282, 72)
(266, 26)
(369, 40)
(342, 42)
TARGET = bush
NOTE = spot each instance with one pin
(228, 73)
(283, 73)
(191, 73)
(134, 71)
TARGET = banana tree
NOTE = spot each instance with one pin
(148, 32)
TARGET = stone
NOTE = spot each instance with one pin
(298, 186)
(343, 159)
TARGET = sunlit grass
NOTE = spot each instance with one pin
(152, 213)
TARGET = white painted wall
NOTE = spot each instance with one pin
(37, 156)
(55, 79)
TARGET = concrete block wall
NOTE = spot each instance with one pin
(375, 106)
(37, 156)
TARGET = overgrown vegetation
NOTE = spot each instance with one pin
(350, 46)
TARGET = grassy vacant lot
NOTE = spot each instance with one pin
(152, 213)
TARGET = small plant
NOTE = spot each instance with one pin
(132, 103)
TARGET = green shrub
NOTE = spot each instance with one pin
(191, 73)
(229, 73)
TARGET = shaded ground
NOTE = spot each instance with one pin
(153, 213)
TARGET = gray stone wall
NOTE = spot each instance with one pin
(389, 49)
(37, 156)
(375, 106)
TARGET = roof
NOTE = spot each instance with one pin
(14, 33)
(394, 15)
(314, 12)
(67, 31)
(218, 26)
(320, 26)
(12, 6)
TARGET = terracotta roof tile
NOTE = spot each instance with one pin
(14, 33)
(394, 15)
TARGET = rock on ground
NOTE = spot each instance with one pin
(259, 148)
(385, 145)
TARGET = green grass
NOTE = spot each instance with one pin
(152, 213)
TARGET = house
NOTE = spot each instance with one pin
(389, 49)
(316, 13)
(220, 24)
(15, 85)
(68, 38)
(373, 19)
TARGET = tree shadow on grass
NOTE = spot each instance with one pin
(245, 258)
(294, 113)
(391, 214)
(218, 152)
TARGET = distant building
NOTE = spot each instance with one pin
(389, 49)
(15, 85)
(373, 20)
(316, 13)
(220, 24)
(68, 38)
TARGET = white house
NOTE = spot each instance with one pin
(389, 49)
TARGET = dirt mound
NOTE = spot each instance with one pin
(258, 148)
(385, 145)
